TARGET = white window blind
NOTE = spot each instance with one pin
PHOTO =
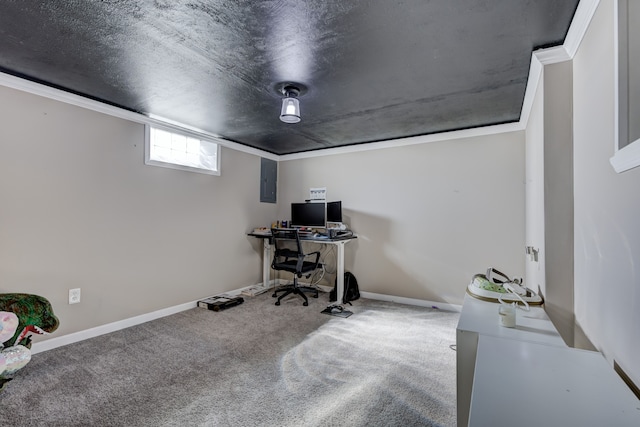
(175, 150)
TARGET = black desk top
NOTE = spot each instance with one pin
(310, 237)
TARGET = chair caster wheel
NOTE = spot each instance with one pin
(277, 302)
(305, 303)
(274, 294)
(315, 296)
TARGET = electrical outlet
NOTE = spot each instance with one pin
(74, 296)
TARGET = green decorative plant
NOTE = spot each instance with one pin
(21, 315)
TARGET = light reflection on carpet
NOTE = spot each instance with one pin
(391, 362)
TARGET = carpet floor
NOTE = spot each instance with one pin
(255, 364)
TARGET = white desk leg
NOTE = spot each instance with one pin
(340, 272)
(266, 262)
(336, 309)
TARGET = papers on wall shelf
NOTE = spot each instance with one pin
(318, 193)
(254, 290)
(262, 230)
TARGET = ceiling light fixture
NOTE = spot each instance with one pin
(290, 112)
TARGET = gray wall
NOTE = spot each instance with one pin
(558, 197)
(607, 207)
(79, 209)
(428, 217)
(534, 194)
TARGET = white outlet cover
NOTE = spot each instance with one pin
(74, 296)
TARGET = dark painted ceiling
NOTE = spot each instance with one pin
(375, 70)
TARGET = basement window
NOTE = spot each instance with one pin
(627, 107)
(181, 150)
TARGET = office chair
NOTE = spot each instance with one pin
(289, 256)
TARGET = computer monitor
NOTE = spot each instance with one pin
(334, 211)
(308, 215)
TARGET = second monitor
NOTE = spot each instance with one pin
(334, 212)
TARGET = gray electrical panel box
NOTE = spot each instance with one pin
(268, 180)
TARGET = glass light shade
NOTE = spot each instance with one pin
(290, 112)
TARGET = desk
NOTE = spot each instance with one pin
(338, 242)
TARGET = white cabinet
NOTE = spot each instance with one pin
(520, 383)
(528, 376)
(481, 318)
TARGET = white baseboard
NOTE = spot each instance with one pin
(412, 301)
(56, 342)
(108, 328)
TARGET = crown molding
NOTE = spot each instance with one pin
(39, 89)
(579, 25)
(552, 55)
(413, 140)
(535, 72)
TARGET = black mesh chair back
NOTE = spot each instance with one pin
(289, 256)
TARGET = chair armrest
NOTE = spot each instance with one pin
(302, 257)
(317, 254)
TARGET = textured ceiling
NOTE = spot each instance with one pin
(375, 70)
